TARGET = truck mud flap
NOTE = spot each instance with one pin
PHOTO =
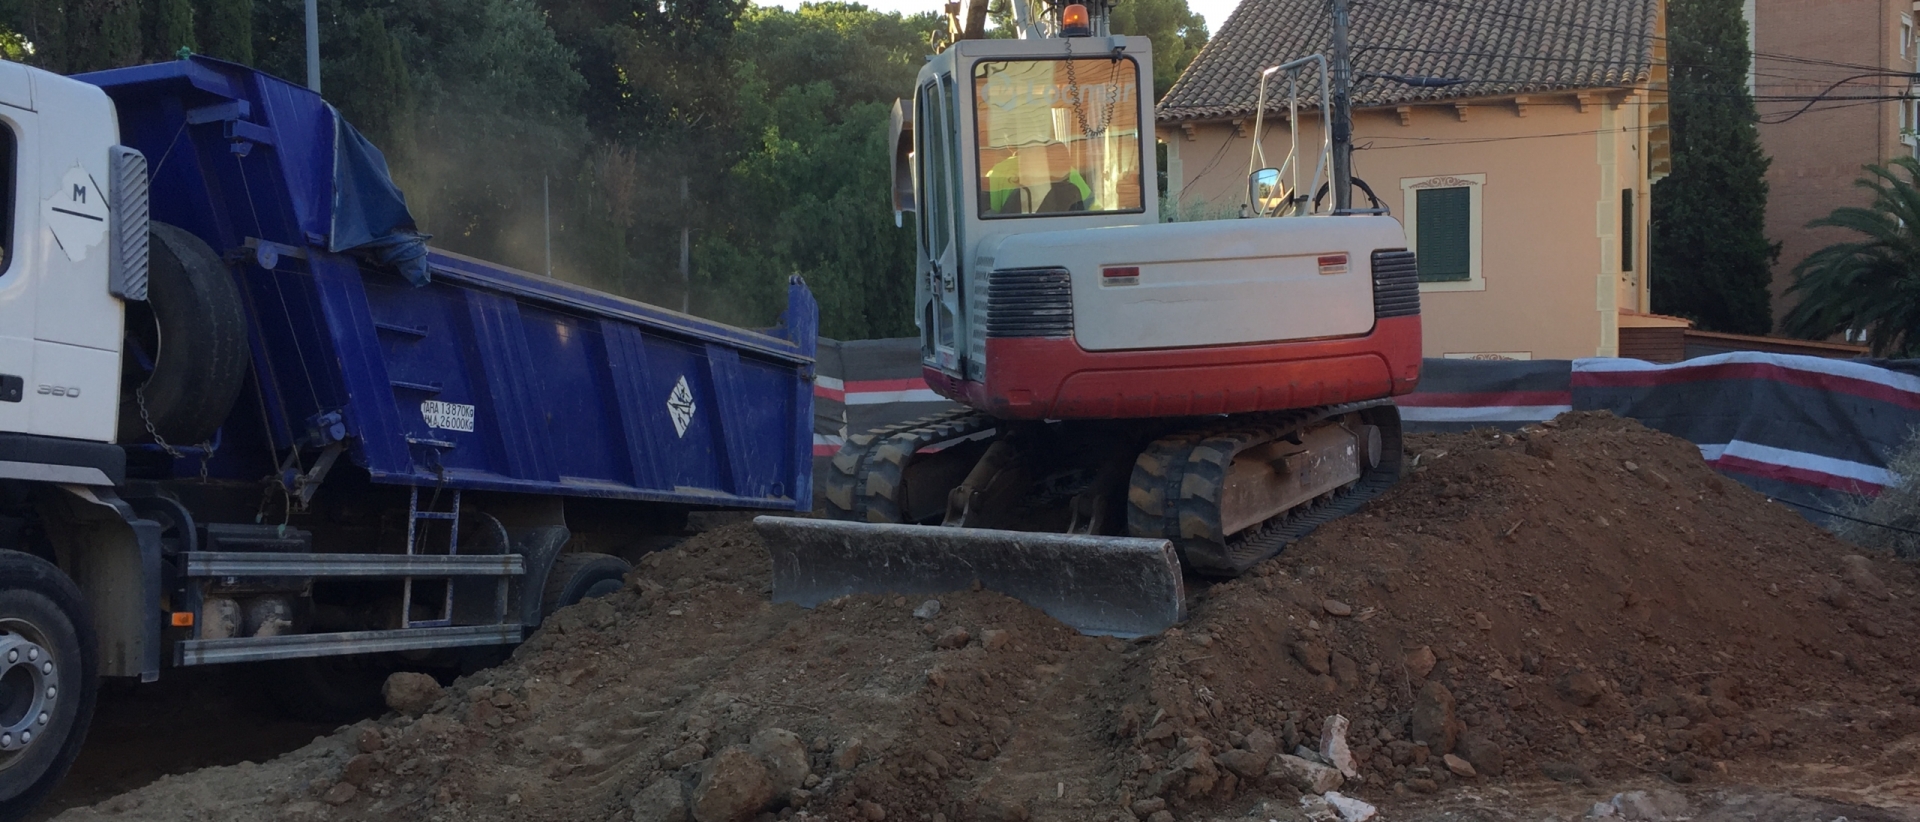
(1114, 586)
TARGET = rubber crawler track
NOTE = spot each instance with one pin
(1173, 492)
(1175, 488)
(864, 479)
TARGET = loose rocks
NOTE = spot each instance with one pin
(411, 693)
(1309, 777)
(735, 788)
(784, 756)
(663, 800)
(1434, 724)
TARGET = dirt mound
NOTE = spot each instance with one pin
(1585, 602)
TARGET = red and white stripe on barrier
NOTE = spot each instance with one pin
(1800, 467)
(1841, 376)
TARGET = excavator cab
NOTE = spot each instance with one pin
(1009, 137)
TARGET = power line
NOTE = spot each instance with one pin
(1820, 510)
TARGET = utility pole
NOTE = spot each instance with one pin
(313, 46)
(1342, 110)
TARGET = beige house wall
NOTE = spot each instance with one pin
(1550, 171)
(1817, 156)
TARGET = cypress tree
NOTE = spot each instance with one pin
(1711, 259)
(169, 28)
(43, 23)
(226, 29)
(102, 34)
(379, 94)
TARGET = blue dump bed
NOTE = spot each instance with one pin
(434, 369)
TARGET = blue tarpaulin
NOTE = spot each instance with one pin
(369, 212)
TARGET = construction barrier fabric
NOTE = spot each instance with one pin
(1811, 431)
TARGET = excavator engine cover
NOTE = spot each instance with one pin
(1099, 585)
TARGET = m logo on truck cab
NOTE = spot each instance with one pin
(76, 213)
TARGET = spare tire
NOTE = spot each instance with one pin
(186, 346)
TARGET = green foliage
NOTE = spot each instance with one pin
(72, 36)
(169, 28)
(816, 86)
(512, 122)
(226, 29)
(1711, 260)
(1177, 33)
(372, 65)
(1872, 284)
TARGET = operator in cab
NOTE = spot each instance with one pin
(1045, 177)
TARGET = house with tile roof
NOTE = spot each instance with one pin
(1516, 140)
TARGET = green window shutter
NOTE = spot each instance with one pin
(1627, 226)
(1443, 228)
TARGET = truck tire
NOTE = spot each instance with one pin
(193, 332)
(49, 667)
(579, 576)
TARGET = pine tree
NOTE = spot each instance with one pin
(1711, 258)
(169, 27)
(226, 29)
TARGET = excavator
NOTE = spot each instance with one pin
(1141, 399)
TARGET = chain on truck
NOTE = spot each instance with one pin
(247, 416)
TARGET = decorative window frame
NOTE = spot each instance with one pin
(1409, 209)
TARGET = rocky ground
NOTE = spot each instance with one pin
(1527, 626)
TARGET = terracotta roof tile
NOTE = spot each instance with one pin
(1501, 46)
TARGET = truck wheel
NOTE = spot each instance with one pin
(187, 344)
(49, 676)
(581, 576)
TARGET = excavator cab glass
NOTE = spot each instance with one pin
(1058, 137)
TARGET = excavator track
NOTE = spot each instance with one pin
(866, 479)
(1221, 494)
(1178, 489)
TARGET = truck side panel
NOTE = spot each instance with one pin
(487, 378)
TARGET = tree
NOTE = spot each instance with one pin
(1711, 260)
(371, 68)
(169, 28)
(1177, 33)
(226, 29)
(810, 196)
(73, 36)
(1872, 284)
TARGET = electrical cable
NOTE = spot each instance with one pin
(1820, 510)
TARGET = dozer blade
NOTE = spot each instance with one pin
(1116, 586)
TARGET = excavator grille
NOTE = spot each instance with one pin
(1030, 302)
(1396, 284)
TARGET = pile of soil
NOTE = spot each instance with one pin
(1583, 601)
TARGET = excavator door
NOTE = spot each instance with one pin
(937, 295)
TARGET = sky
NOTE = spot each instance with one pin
(1215, 11)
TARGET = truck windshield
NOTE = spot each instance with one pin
(1058, 136)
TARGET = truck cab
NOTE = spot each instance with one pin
(60, 315)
